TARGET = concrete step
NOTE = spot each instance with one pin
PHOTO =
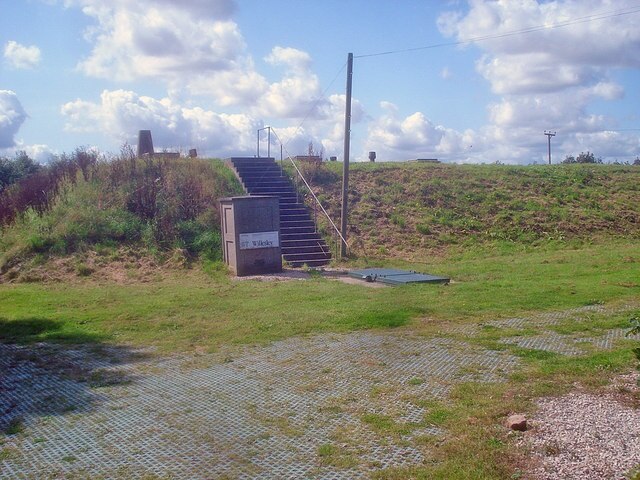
(268, 183)
(304, 249)
(287, 201)
(254, 178)
(306, 257)
(285, 230)
(304, 222)
(318, 255)
(293, 213)
(272, 192)
(301, 217)
(258, 168)
(255, 162)
(297, 237)
(248, 162)
(302, 240)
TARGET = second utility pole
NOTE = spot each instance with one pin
(345, 165)
(549, 134)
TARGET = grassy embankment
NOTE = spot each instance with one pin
(189, 309)
(516, 240)
(414, 211)
(154, 207)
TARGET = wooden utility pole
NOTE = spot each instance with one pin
(345, 166)
(549, 134)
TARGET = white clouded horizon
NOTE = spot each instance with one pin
(122, 113)
(20, 56)
(12, 116)
(298, 94)
(166, 40)
(547, 79)
(415, 136)
(196, 50)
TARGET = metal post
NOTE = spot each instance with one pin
(269, 142)
(549, 134)
(345, 166)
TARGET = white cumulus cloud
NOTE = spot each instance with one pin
(121, 114)
(295, 59)
(12, 116)
(552, 58)
(550, 77)
(298, 93)
(159, 39)
(195, 47)
(414, 136)
(20, 56)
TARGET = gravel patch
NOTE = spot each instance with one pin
(280, 276)
(329, 273)
(587, 436)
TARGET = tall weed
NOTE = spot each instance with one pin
(160, 203)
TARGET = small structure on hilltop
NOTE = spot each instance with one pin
(145, 143)
(307, 158)
(426, 160)
(145, 147)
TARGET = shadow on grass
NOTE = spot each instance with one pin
(34, 329)
(48, 369)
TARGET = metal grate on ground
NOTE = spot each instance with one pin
(267, 412)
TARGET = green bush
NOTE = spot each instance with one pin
(158, 203)
(208, 245)
(38, 243)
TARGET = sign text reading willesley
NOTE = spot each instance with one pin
(249, 241)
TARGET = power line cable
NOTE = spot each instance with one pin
(537, 28)
(315, 104)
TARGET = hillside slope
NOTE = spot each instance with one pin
(150, 206)
(409, 210)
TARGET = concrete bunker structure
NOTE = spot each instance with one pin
(251, 234)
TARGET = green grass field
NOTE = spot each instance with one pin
(192, 308)
(516, 241)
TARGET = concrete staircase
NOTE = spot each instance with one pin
(299, 240)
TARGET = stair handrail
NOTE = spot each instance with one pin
(318, 202)
(337, 230)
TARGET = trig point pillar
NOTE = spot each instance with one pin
(145, 143)
(251, 234)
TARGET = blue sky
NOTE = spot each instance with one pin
(207, 74)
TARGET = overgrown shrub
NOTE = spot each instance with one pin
(36, 186)
(13, 170)
(316, 172)
(583, 157)
(159, 203)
